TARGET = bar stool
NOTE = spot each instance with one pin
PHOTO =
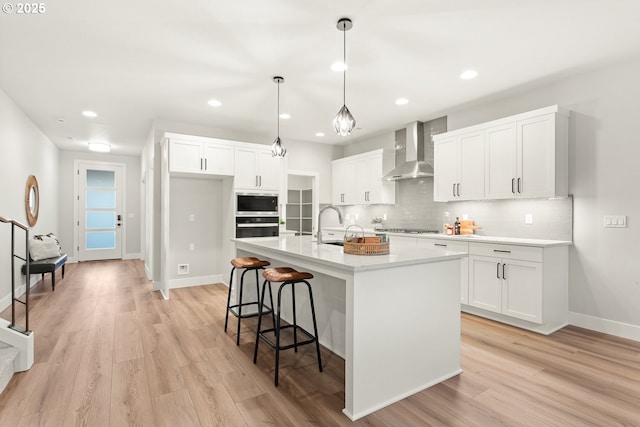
(288, 276)
(248, 264)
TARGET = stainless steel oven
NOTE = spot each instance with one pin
(257, 215)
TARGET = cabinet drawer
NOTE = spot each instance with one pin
(443, 244)
(526, 253)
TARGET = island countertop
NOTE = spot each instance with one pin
(304, 247)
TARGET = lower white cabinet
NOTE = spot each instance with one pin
(519, 283)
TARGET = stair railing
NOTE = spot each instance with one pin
(26, 259)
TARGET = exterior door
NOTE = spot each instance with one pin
(100, 211)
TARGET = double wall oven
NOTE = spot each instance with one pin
(257, 215)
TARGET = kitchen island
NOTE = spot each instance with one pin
(394, 318)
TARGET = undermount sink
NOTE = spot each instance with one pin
(336, 243)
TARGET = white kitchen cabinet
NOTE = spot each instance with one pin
(525, 286)
(459, 167)
(527, 158)
(457, 246)
(198, 157)
(257, 169)
(357, 180)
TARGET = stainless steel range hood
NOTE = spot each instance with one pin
(412, 166)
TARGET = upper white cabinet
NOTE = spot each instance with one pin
(525, 155)
(200, 157)
(357, 180)
(459, 167)
(257, 169)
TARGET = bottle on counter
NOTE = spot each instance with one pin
(456, 227)
(446, 222)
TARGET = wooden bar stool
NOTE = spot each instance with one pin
(248, 264)
(288, 276)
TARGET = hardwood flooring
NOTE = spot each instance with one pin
(110, 352)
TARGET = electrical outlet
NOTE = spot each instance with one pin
(192, 247)
(183, 269)
(192, 218)
(528, 219)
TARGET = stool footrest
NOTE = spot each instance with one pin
(311, 338)
(245, 304)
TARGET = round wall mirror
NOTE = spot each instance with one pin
(32, 200)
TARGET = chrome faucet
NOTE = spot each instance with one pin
(320, 220)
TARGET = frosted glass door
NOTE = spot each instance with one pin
(99, 212)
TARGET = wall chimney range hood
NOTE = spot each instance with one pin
(412, 166)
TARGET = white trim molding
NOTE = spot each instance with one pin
(195, 281)
(611, 327)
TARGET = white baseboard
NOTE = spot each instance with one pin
(135, 255)
(611, 327)
(5, 302)
(195, 281)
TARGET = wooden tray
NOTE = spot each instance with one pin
(360, 246)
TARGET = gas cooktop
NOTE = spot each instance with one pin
(408, 230)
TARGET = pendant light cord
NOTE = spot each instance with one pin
(344, 64)
(278, 118)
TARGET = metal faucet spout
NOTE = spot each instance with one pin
(320, 220)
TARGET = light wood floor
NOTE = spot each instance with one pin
(109, 352)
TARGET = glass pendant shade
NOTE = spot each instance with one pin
(344, 123)
(277, 150)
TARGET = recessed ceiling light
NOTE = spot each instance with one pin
(88, 113)
(100, 147)
(402, 101)
(60, 120)
(339, 66)
(469, 74)
(214, 103)
(285, 116)
(319, 133)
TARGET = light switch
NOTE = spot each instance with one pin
(528, 219)
(192, 218)
(615, 221)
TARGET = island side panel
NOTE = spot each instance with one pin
(403, 333)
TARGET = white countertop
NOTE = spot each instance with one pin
(467, 238)
(330, 255)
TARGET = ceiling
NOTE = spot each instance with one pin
(135, 61)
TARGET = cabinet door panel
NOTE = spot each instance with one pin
(269, 170)
(446, 169)
(485, 287)
(246, 169)
(522, 291)
(185, 156)
(536, 162)
(471, 170)
(219, 159)
(500, 161)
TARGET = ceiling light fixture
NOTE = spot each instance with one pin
(338, 66)
(88, 113)
(214, 103)
(285, 116)
(277, 150)
(469, 74)
(319, 134)
(344, 123)
(99, 147)
(402, 101)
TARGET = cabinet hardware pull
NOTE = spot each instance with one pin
(498, 270)
(513, 181)
(256, 180)
(453, 190)
(205, 164)
(458, 190)
(501, 251)
(260, 180)
(200, 163)
(519, 191)
(503, 266)
(439, 244)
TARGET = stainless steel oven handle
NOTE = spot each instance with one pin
(256, 225)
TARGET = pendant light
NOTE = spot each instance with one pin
(344, 123)
(277, 150)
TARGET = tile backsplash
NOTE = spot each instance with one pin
(415, 208)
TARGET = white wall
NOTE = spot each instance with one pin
(25, 151)
(67, 175)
